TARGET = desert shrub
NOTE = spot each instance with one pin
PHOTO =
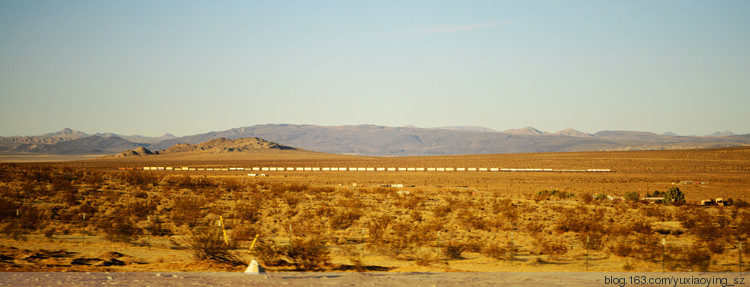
(416, 216)
(186, 210)
(231, 185)
(291, 199)
(496, 251)
(716, 246)
(544, 194)
(442, 210)
(308, 253)
(580, 220)
(411, 202)
(743, 225)
(426, 259)
(621, 248)
(499, 206)
(695, 255)
(656, 193)
(401, 240)
(324, 211)
(269, 253)
(8, 209)
(640, 226)
(320, 189)
(158, 227)
(208, 243)
(138, 178)
(534, 227)
(350, 203)
(674, 195)
(647, 247)
(595, 240)
(342, 219)
(473, 221)
(95, 179)
(740, 203)
(247, 211)
(706, 230)
(118, 228)
(141, 208)
(600, 196)
(140, 194)
(244, 232)
(655, 211)
(278, 188)
(28, 218)
(453, 249)
(631, 196)
(49, 231)
(553, 248)
(586, 197)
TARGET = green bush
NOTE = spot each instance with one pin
(674, 195)
(631, 196)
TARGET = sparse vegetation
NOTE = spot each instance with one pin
(328, 214)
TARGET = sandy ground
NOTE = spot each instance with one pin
(372, 279)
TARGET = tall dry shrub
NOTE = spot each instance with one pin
(187, 210)
(208, 243)
(308, 254)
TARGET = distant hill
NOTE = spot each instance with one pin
(410, 141)
(219, 145)
(138, 152)
(721, 134)
(525, 131)
(86, 145)
(223, 145)
(468, 128)
(369, 140)
(572, 133)
(69, 141)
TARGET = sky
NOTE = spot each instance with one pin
(189, 67)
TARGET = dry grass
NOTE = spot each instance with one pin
(553, 216)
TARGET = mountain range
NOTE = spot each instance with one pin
(378, 140)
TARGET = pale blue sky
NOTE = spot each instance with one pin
(188, 67)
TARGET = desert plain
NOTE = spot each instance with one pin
(110, 215)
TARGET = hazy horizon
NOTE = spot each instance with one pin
(405, 126)
(189, 67)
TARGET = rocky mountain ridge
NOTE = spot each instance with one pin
(370, 140)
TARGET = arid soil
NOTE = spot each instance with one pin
(154, 221)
